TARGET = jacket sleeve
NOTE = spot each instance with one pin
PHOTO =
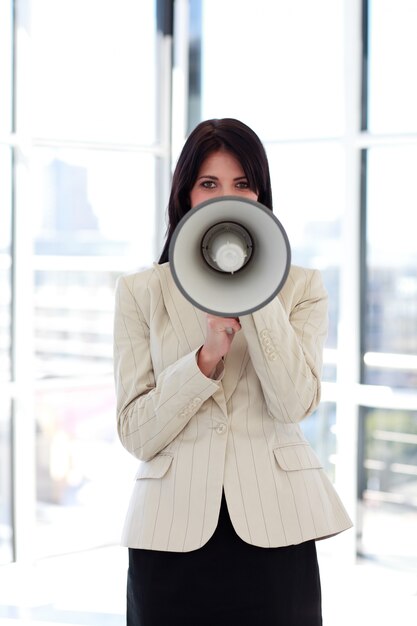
(286, 349)
(151, 412)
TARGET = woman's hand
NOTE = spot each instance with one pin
(219, 337)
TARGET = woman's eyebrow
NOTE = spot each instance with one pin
(216, 177)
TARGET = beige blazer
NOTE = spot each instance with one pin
(196, 436)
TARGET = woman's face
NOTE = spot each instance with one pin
(220, 175)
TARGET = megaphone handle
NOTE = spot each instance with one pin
(229, 330)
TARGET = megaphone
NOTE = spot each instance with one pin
(229, 256)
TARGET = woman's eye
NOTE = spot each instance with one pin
(242, 185)
(208, 184)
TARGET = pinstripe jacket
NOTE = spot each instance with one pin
(196, 436)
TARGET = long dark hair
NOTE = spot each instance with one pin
(211, 136)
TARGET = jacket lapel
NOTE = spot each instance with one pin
(187, 321)
(190, 325)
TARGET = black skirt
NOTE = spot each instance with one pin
(226, 582)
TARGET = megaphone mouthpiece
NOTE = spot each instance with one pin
(226, 247)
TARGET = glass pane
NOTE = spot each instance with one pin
(83, 476)
(94, 204)
(308, 185)
(5, 264)
(74, 321)
(392, 64)
(280, 77)
(94, 67)
(6, 63)
(6, 519)
(391, 295)
(388, 485)
(94, 219)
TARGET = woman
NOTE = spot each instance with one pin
(229, 498)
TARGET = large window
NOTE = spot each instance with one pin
(298, 76)
(6, 279)
(84, 161)
(388, 424)
(85, 141)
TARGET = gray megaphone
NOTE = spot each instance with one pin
(229, 256)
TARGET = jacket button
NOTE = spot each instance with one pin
(264, 334)
(221, 428)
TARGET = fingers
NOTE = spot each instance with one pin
(219, 337)
(229, 325)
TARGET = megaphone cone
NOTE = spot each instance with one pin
(229, 256)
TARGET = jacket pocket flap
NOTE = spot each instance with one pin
(297, 456)
(155, 468)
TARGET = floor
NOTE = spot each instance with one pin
(53, 591)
